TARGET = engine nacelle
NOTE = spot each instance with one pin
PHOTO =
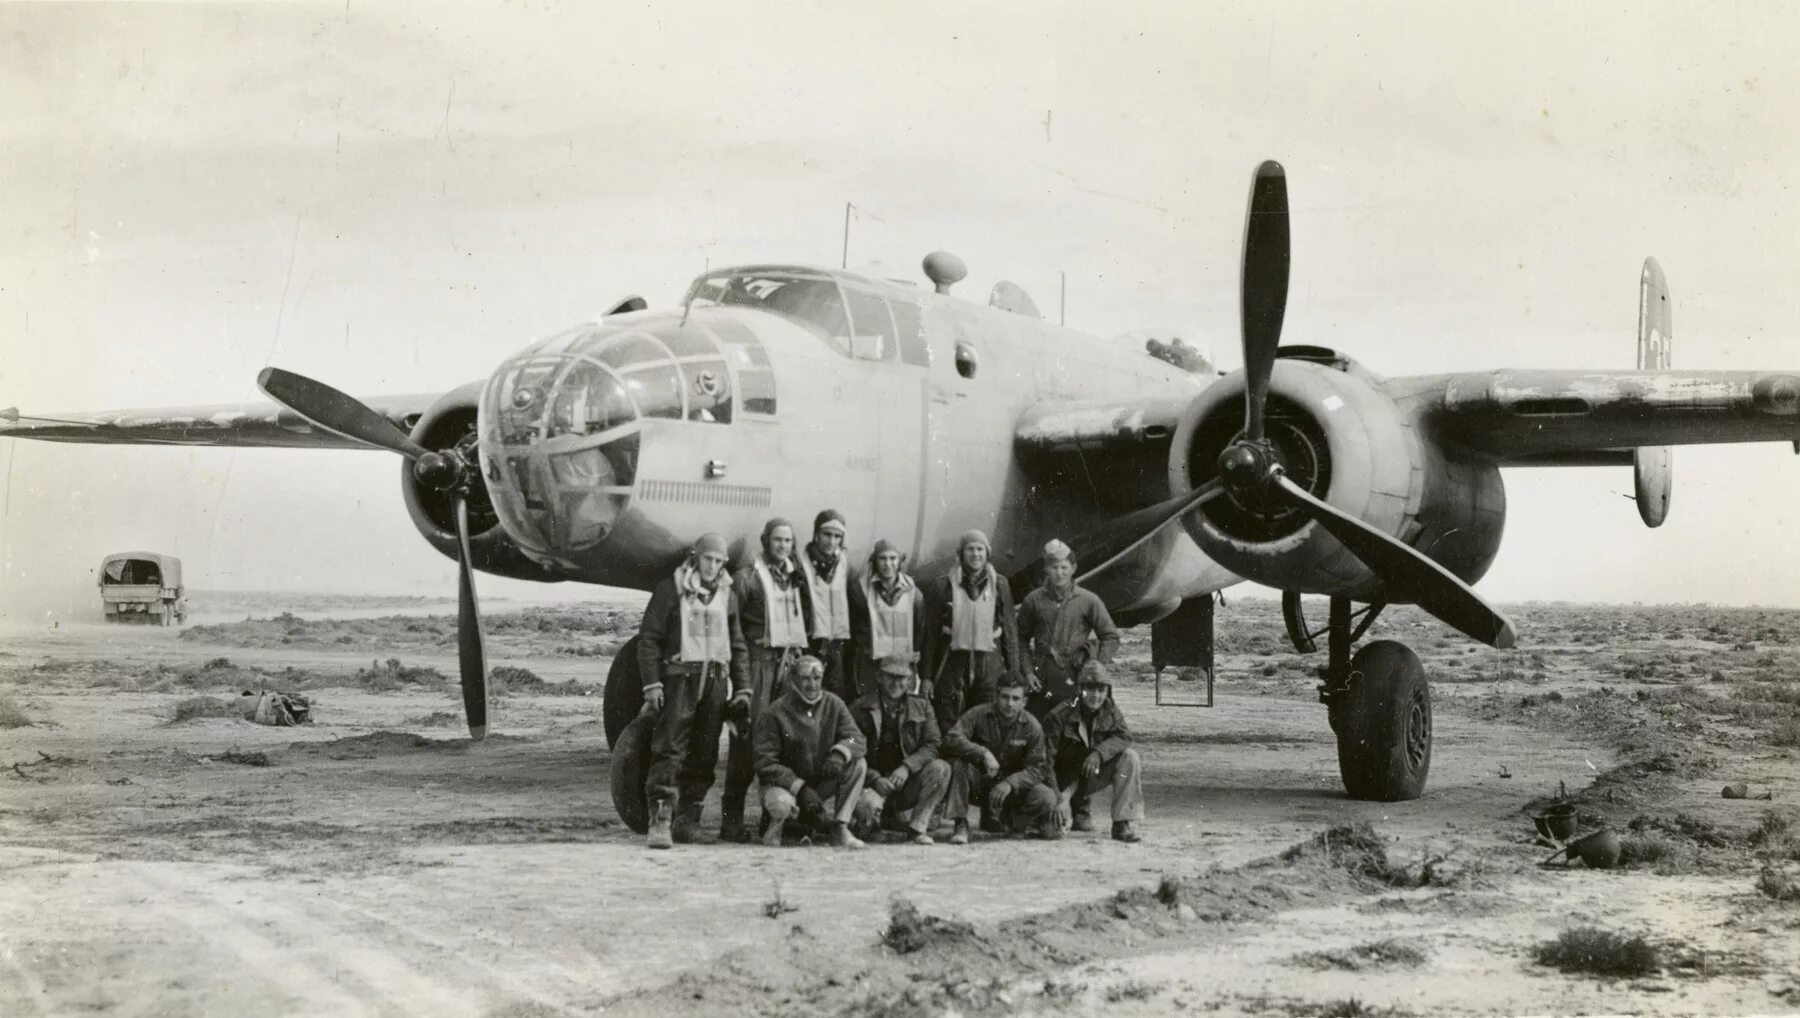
(1344, 440)
(448, 424)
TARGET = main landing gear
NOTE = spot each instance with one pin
(1378, 701)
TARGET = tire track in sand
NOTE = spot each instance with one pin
(322, 966)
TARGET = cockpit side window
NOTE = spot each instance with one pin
(913, 349)
(872, 335)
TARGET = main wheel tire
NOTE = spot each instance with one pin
(624, 693)
(629, 767)
(1383, 724)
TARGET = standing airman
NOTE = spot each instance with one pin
(1059, 624)
(887, 615)
(828, 584)
(690, 645)
(972, 637)
(775, 607)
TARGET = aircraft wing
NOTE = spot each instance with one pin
(251, 425)
(1591, 417)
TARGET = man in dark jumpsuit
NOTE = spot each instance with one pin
(691, 644)
(998, 758)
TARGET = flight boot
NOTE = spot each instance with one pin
(842, 838)
(959, 834)
(732, 829)
(1123, 831)
(771, 830)
(1082, 822)
(659, 836)
(685, 828)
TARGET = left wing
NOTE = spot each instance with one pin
(251, 425)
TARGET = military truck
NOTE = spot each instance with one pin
(142, 586)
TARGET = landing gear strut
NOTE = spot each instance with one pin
(1380, 709)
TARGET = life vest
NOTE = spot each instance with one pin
(784, 621)
(830, 600)
(972, 619)
(890, 626)
(706, 628)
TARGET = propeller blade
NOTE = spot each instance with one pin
(470, 654)
(1407, 572)
(336, 411)
(1122, 535)
(1265, 285)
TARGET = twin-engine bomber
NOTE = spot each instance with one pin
(601, 453)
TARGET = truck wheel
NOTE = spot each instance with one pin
(1383, 724)
(624, 693)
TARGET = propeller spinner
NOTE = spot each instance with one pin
(1252, 472)
(343, 414)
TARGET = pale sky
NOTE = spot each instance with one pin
(392, 198)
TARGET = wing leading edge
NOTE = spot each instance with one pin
(248, 425)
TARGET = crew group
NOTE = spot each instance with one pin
(863, 703)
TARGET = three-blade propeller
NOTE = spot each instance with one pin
(1252, 472)
(345, 415)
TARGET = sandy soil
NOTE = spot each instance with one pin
(381, 864)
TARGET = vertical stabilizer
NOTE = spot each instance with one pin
(1650, 465)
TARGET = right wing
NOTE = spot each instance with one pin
(1586, 417)
(250, 425)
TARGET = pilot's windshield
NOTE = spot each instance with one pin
(808, 298)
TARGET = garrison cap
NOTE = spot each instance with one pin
(896, 664)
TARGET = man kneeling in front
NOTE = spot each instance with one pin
(1000, 762)
(809, 759)
(906, 777)
(1091, 748)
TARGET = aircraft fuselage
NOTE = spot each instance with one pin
(609, 448)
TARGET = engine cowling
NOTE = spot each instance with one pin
(1345, 440)
(450, 423)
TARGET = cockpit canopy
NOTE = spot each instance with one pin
(855, 316)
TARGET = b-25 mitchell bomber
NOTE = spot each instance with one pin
(601, 453)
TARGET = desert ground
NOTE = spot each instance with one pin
(162, 856)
